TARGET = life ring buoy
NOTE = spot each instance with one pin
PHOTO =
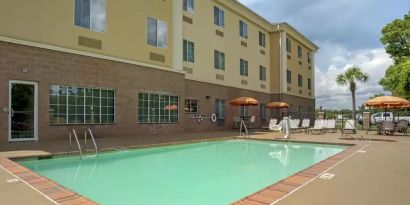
(199, 119)
(213, 118)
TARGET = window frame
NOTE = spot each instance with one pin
(309, 57)
(186, 51)
(300, 51)
(188, 6)
(90, 27)
(262, 39)
(158, 22)
(190, 100)
(309, 84)
(243, 29)
(220, 20)
(219, 60)
(243, 68)
(85, 111)
(300, 80)
(262, 77)
(289, 76)
(157, 106)
(288, 45)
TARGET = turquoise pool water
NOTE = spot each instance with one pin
(216, 173)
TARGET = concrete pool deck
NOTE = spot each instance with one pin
(380, 175)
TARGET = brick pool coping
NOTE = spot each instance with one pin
(275, 192)
(61, 195)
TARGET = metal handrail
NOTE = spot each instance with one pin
(92, 138)
(76, 139)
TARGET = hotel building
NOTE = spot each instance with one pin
(135, 67)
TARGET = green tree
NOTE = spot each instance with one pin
(397, 78)
(349, 78)
(396, 37)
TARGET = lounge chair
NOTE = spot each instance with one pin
(388, 127)
(330, 126)
(251, 122)
(236, 122)
(317, 128)
(294, 125)
(305, 125)
(349, 127)
(401, 127)
(272, 122)
(276, 128)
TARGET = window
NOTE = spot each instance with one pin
(243, 67)
(220, 109)
(219, 60)
(189, 51)
(90, 14)
(191, 106)
(288, 45)
(263, 111)
(78, 105)
(299, 52)
(262, 73)
(157, 32)
(158, 108)
(189, 5)
(309, 55)
(309, 84)
(262, 39)
(300, 80)
(219, 17)
(243, 29)
(289, 76)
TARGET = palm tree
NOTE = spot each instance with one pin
(349, 78)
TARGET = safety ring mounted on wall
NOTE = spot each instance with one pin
(213, 118)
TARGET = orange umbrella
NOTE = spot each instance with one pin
(387, 102)
(244, 101)
(277, 105)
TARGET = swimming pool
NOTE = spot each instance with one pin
(217, 173)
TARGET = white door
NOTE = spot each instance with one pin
(23, 111)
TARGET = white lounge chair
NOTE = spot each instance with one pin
(317, 128)
(272, 122)
(276, 128)
(349, 127)
(294, 125)
(305, 125)
(330, 126)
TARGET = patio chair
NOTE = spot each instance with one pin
(294, 125)
(272, 122)
(317, 128)
(330, 126)
(235, 122)
(305, 125)
(349, 127)
(251, 122)
(388, 127)
(402, 126)
(276, 128)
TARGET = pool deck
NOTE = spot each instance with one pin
(378, 174)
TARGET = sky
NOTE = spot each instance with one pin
(347, 32)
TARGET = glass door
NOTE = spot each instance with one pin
(22, 110)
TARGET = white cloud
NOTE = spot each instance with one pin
(333, 96)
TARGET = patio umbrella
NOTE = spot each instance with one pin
(387, 102)
(243, 101)
(279, 105)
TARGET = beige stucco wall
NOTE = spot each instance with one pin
(51, 22)
(300, 66)
(202, 33)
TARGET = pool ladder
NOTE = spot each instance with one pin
(73, 134)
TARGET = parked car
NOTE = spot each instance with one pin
(386, 116)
